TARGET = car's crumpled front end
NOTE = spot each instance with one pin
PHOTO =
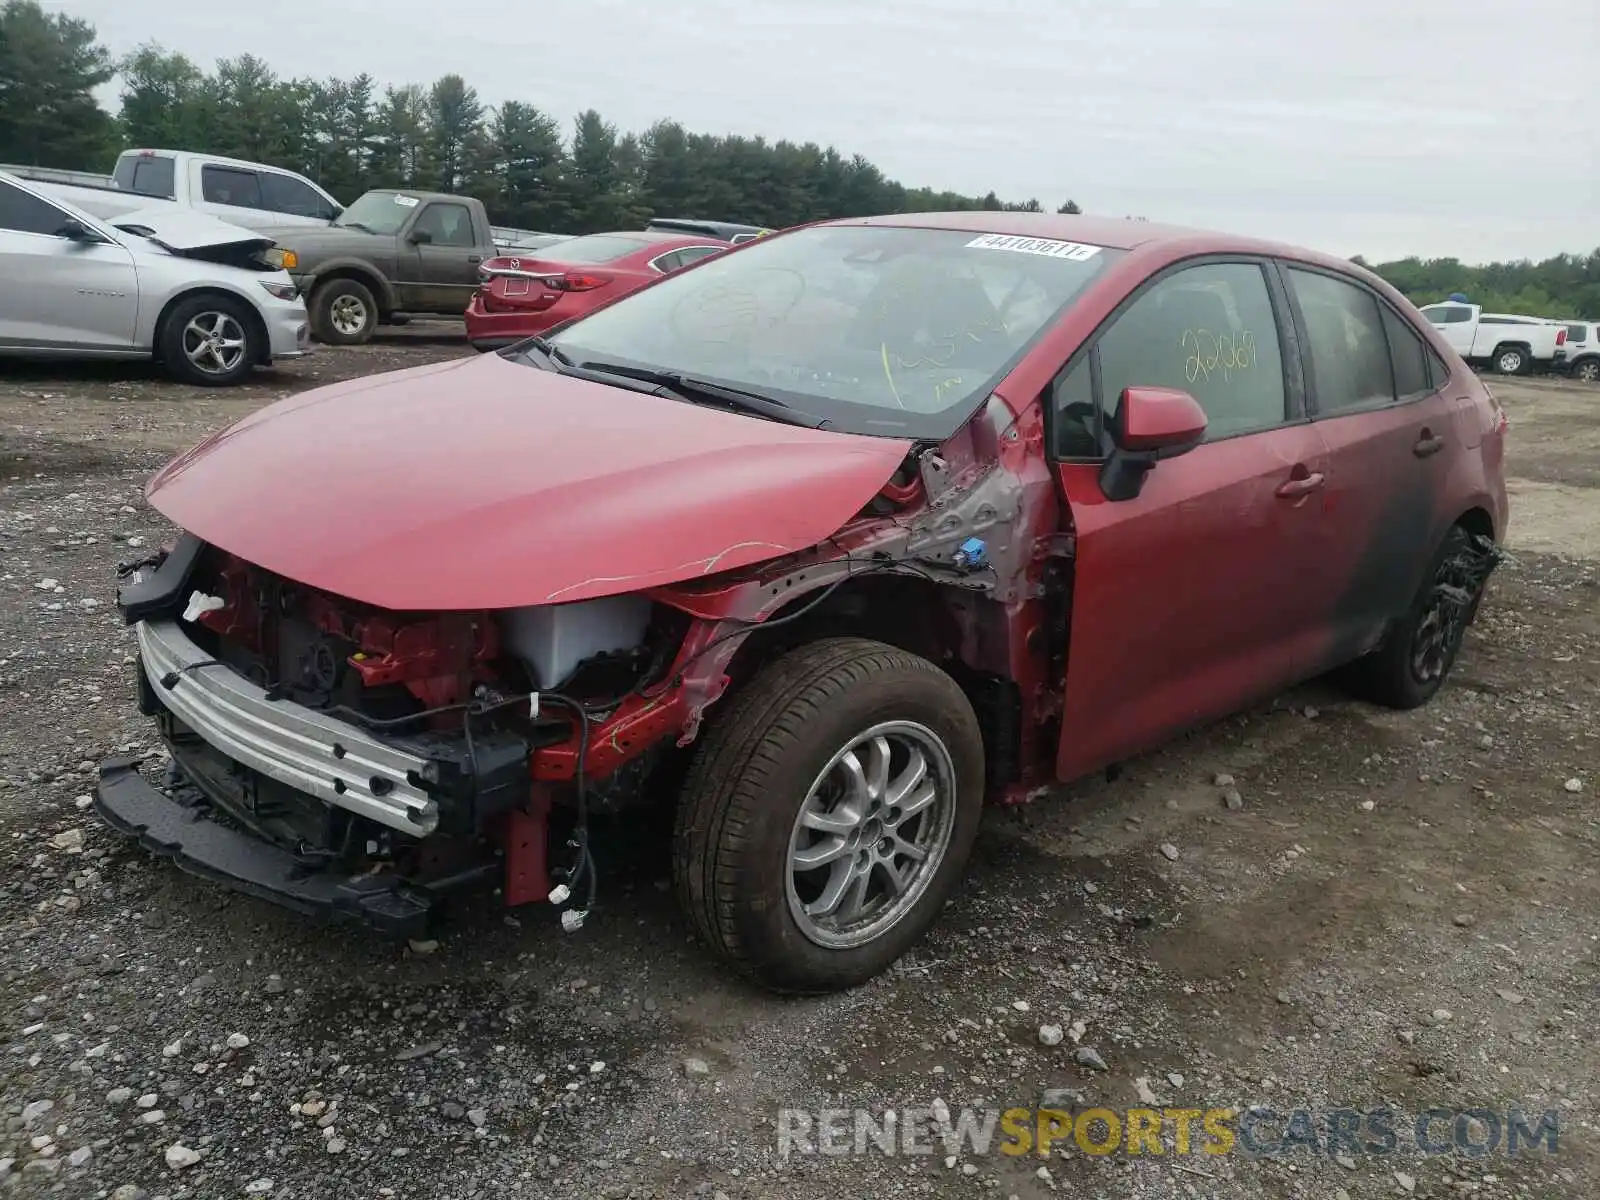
(335, 757)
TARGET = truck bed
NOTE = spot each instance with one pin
(83, 179)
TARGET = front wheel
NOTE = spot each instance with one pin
(343, 312)
(210, 341)
(828, 813)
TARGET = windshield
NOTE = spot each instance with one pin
(378, 212)
(875, 329)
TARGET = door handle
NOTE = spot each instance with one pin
(1301, 485)
(1427, 444)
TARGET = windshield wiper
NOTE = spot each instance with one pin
(353, 225)
(687, 387)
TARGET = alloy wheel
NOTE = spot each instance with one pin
(214, 342)
(871, 834)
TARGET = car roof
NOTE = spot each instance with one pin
(721, 230)
(1114, 233)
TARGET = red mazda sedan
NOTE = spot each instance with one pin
(819, 545)
(522, 296)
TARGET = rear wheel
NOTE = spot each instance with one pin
(1415, 658)
(343, 312)
(1510, 360)
(1587, 370)
(210, 341)
(828, 813)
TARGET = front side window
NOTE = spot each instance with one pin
(21, 212)
(228, 185)
(1447, 314)
(875, 329)
(1208, 330)
(447, 225)
(1348, 351)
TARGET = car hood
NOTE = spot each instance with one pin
(480, 483)
(322, 239)
(184, 231)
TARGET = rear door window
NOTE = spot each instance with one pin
(151, 175)
(1348, 349)
(231, 186)
(286, 194)
(1409, 356)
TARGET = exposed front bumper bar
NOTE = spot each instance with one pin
(333, 760)
(204, 847)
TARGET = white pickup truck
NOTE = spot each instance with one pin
(1509, 344)
(250, 194)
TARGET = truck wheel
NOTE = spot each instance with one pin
(1412, 662)
(1510, 360)
(209, 340)
(343, 312)
(828, 813)
(1587, 370)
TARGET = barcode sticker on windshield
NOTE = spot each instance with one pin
(1049, 247)
(406, 201)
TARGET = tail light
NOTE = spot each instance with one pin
(572, 281)
(1561, 337)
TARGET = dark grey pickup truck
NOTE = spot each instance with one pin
(390, 252)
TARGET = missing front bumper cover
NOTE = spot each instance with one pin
(205, 847)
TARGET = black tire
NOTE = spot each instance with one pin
(1391, 675)
(343, 312)
(751, 776)
(1510, 360)
(210, 340)
(1586, 370)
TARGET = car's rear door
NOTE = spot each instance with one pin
(1193, 598)
(1381, 404)
(56, 292)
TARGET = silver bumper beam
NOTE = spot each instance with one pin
(333, 760)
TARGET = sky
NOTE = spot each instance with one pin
(1375, 127)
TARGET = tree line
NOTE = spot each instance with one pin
(354, 134)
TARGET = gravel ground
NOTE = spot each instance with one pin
(1377, 908)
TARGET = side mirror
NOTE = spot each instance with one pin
(75, 230)
(1150, 424)
(419, 237)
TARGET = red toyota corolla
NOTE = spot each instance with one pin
(521, 296)
(821, 544)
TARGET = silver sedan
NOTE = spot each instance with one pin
(208, 300)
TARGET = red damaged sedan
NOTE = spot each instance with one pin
(825, 544)
(518, 297)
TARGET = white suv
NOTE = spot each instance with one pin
(1583, 350)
